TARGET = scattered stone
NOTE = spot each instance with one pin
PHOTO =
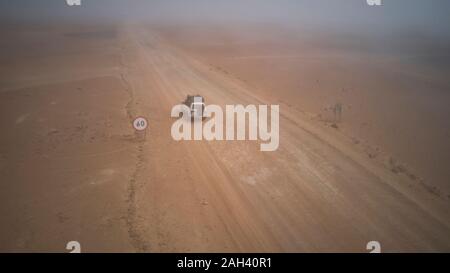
(53, 131)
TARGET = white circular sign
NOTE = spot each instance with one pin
(140, 124)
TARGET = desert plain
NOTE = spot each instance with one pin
(72, 168)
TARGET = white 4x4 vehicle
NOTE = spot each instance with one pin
(196, 104)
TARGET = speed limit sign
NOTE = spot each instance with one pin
(140, 124)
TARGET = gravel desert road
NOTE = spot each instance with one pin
(319, 192)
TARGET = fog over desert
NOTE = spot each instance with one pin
(364, 131)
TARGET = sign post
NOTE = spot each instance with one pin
(140, 124)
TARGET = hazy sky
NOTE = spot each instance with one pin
(428, 15)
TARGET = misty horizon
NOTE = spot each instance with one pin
(412, 15)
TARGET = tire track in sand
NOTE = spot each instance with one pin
(132, 219)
